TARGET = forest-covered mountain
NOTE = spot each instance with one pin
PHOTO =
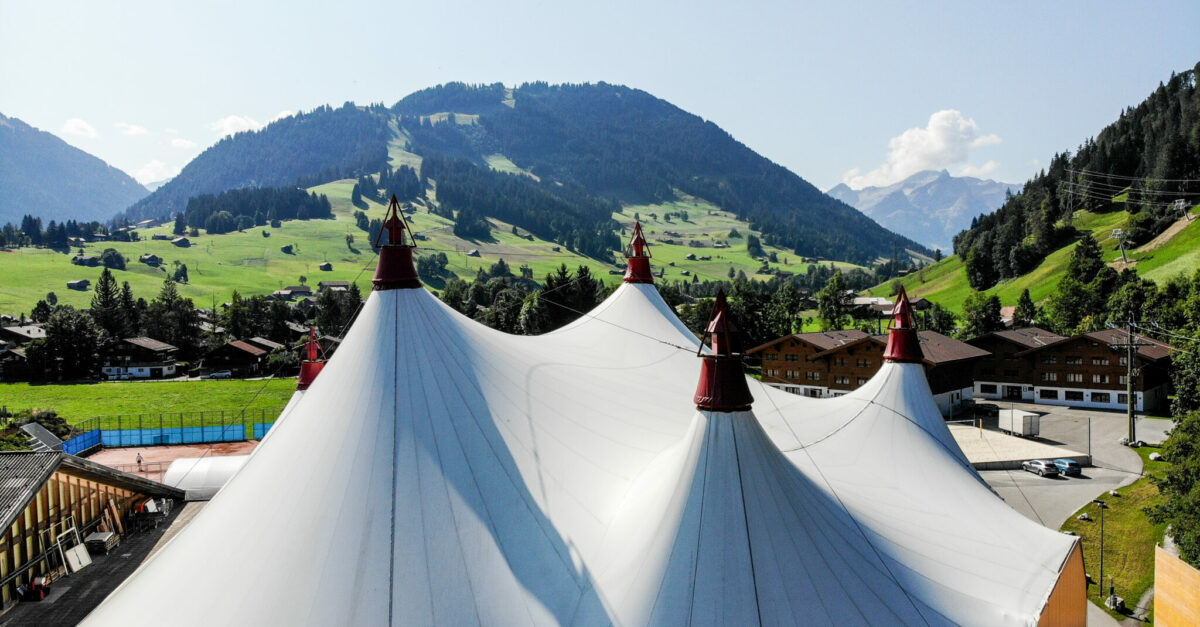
(302, 150)
(1143, 162)
(930, 206)
(43, 176)
(607, 142)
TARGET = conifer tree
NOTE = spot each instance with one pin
(106, 306)
(1026, 311)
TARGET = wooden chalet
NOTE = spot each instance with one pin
(140, 358)
(240, 358)
(1090, 370)
(832, 363)
(1007, 373)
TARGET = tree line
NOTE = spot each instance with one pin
(239, 209)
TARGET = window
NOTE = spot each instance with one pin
(987, 388)
(1074, 360)
(770, 356)
(1051, 395)
(1049, 376)
(839, 361)
(1011, 373)
(1049, 359)
(791, 357)
(812, 376)
(811, 393)
(1124, 361)
(1124, 379)
(861, 380)
(792, 374)
(1123, 399)
(1101, 397)
(1099, 378)
(862, 363)
(1074, 377)
(841, 380)
(1073, 396)
(772, 372)
(1099, 361)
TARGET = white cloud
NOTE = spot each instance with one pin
(79, 128)
(153, 171)
(180, 142)
(232, 124)
(131, 129)
(983, 170)
(280, 116)
(946, 141)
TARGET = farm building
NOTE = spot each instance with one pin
(326, 267)
(79, 284)
(22, 334)
(182, 242)
(335, 286)
(240, 358)
(45, 494)
(603, 473)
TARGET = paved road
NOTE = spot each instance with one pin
(1051, 501)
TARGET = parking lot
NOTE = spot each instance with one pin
(1051, 500)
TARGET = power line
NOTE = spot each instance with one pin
(1129, 178)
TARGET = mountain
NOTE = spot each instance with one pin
(930, 207)
(44, 176)
(1144, 162)
(571, 150)
(153, 185)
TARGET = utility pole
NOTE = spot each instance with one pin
(1130, 345)
(1121, 236)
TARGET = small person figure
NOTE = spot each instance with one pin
(139, 462)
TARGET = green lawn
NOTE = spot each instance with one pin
(77, 402)
(1129, 537)
(946, 281)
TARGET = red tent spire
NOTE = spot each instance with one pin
(312, 364)
(903, 344)
(637, 255)
(395, 270)
(722, 385)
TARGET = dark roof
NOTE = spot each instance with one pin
(324, 284)
(28, 331)
(1029, 337)
(939, 349)
(1156, 351)
(150, 344)
(299, 288)
(823, 340)
(249, 348)
(263, 342)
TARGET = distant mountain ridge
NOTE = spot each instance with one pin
(930, 207)
(44, 176)
(607, 141)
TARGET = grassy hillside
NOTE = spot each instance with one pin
(254, 264)
(946, 281)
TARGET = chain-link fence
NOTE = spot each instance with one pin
(163, 428)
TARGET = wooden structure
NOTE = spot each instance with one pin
(43, 493)
(1090, 370)
(1003, 374)
(1176, 591)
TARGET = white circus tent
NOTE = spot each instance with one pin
(441, 472)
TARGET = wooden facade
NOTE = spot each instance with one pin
(48, 493)
(822, 365)
(1090, 370)
(1006, 373)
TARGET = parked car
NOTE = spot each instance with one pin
(220, 374)
(1043, 467)
(1068, 467)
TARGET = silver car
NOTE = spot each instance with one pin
(1043, 467)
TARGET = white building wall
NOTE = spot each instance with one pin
(811, 391)
(1153, 397)
(952, 399)
(1027, 391)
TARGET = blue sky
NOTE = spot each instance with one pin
(856, 92)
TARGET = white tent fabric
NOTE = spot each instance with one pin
(440, 472)
(202, 477)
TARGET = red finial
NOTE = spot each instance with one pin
(722, 385)
(311, 366)
(903, 344)
(637, 255)
(395, 270)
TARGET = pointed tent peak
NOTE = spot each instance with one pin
(312, 365)
(637, 246)
(395, 270)
(903, 345)
(637, 255)
(722, 385)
